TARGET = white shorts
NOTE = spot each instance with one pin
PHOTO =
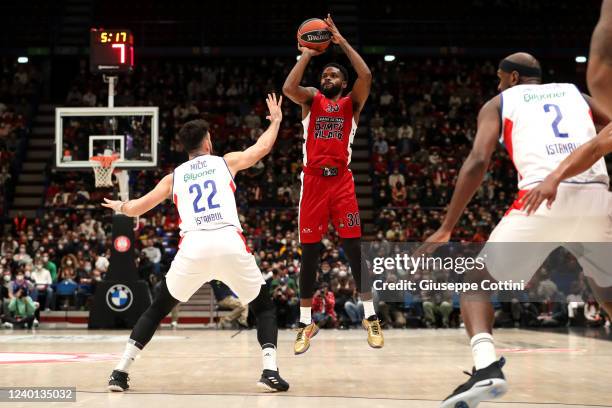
(580, 220)
(214, 255)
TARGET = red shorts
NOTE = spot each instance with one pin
(325, 198)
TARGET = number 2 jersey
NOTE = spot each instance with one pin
(541, 126)
(203, 192)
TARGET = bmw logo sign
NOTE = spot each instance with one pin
(119, 298)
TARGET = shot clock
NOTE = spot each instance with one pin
(111, 51)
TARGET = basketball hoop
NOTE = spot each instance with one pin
(103, 167)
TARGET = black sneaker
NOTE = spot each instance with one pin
(271, 381)
(118, 381)
(484, 384)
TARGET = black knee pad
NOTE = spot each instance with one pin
(265, 313)
(149, 321)
(263, 302)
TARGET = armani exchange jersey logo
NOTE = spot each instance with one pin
(328, 127)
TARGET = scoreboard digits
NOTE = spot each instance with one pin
(111, 51)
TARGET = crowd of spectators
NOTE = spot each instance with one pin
(422, 128)
(18, 88)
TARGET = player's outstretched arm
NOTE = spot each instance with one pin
(578, 162)
(237, 161)
(292, 88)
(601, 118)
(135, 208)
(600, 59)
(361, 88)
(474, 168)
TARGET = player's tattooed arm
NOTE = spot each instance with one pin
(361, 88)
(237, 161)
(578, 162)
(473, 169)
(134, 208)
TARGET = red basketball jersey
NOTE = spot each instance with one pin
(329, 130)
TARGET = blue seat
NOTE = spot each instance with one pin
(66, 288)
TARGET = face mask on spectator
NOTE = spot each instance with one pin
(45, 259)
(7, 278)
(85, 247)
(68, 262)
(87, 268)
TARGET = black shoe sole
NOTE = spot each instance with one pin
(483, 390)
(268, 388)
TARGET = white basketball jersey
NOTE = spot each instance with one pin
(541, 126)
(203, 192)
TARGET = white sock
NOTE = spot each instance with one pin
(368, 308)
(269, 358)
(129, 354)
(305, 316)
(483, 350)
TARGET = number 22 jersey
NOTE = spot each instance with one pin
(541, 126)
(203, 191)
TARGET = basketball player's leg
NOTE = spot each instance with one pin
(313, 219)
(347, 222)
(178, 286)
(506, 258)
(591, 241)
(603, 295)
(242, 275)
(595, 256)
(600, 59)
(141, 335)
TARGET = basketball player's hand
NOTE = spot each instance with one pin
(274, 107)
(336, 37)
(546, 190)
(437, 239)
(309, 51)
(114, 205)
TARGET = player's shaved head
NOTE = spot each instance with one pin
(518, 68)
(525, 59)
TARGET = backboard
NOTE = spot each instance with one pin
(130, 132)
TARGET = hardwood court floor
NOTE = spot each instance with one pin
(416, 368)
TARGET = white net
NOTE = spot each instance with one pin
(103, 167)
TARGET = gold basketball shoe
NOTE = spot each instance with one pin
(375, 336)
(302, 340)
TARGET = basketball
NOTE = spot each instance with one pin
(313, 33)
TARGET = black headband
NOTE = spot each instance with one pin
(523, 70)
